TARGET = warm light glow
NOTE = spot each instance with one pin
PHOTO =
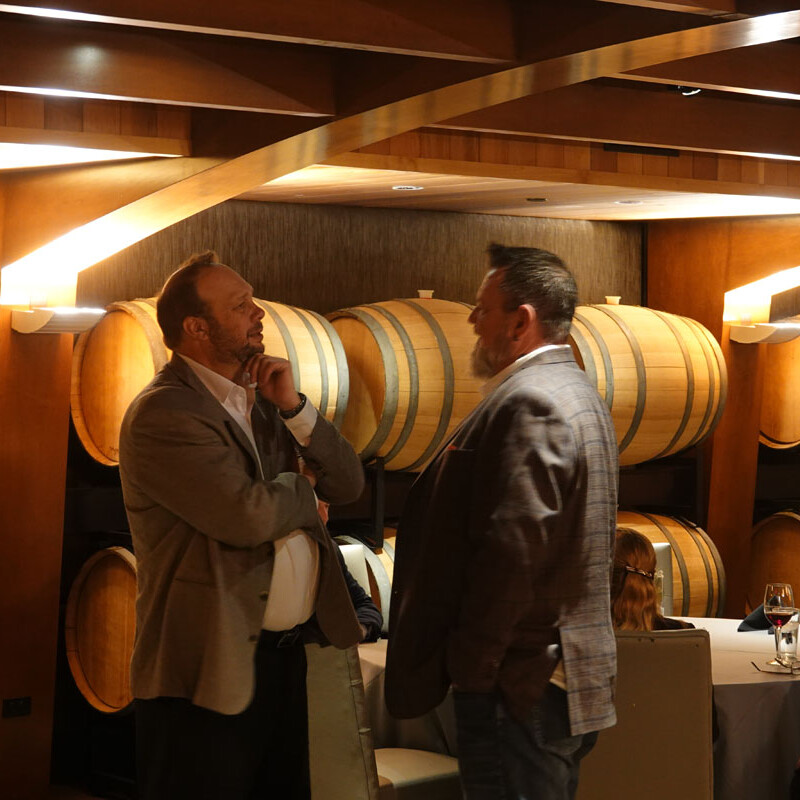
(51, 13)
(48, 276)
(26, 156)
(751, 303)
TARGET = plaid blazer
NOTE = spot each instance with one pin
(504, 553)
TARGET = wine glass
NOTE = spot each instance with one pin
(779, 609)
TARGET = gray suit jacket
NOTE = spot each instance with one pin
(203, 525)
(504, 553)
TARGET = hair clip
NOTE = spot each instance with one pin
(649, 575)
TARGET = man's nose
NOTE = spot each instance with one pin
(259, 312)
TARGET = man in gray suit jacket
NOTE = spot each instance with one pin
(501, 576)
(219, 459)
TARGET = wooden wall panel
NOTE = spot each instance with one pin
(686, 168)
(24, 111)
(34, 413)
(690, 267)
(328, 257)
(760, 247)
(94, 116)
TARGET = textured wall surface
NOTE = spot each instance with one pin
(328, 257)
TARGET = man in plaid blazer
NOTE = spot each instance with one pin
(501, 580)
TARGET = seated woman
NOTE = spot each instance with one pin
(634, 605)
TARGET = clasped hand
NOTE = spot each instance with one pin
(274, 379)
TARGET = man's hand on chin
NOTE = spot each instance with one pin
(274, 379)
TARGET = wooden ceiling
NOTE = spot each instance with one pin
(268, 88)
(477, 194)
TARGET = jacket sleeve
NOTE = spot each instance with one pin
(524, 469)
(340, 476)
(185, 463)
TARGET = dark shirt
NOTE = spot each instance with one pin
(366, 611)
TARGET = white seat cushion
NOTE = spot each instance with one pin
(416, 775)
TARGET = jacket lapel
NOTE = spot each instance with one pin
(181, 371)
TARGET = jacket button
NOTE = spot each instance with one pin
(263, 595)
(252, 638)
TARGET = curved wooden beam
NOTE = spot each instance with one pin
(119, 229)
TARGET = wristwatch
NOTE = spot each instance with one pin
(293, 412)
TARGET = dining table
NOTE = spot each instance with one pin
(757, 714)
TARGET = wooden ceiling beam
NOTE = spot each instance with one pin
(623, 114)
(705, 7)
(723, 9)
(549, 30)
(544, 31)
(121, 226)
(171, 68)
(770, 70)
(469, 30)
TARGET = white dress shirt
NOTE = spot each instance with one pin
(295, 574)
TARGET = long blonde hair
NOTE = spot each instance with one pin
(634, 605)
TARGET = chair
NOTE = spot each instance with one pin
(344, 763)
(661, 747)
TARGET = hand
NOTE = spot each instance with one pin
(307, 472)
(364, 632)
(274, 379)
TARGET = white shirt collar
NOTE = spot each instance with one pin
(226, 391)
(497, 379)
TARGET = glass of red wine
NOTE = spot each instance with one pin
(779, 609)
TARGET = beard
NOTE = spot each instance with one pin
(488, 361)
(481, 362)
(229, 349)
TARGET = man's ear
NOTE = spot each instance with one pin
(195, 328)
(525, 320)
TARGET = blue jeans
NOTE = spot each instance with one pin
(501, 758)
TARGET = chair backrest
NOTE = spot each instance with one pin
(341, 756)
(660, 748)
(344, 765)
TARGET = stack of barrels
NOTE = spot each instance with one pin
(395, 378)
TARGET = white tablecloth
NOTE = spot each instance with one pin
(758, 715)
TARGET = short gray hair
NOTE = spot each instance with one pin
(541, 279)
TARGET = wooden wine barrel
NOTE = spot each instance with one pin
(117, 358)
(663, 376)
(774, 555)
(410, 377)
(698, 576)
(99, 628)
(112, 363)
(780, 410)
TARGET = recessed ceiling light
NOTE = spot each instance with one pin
(536, 199)
(629, 202)
(407, 187)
